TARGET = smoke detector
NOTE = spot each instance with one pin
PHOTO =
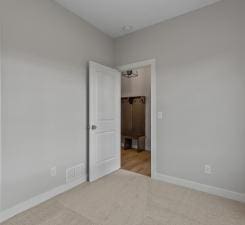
(127, 28)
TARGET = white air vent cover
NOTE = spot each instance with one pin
(74, 173)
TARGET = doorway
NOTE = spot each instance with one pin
(104, 148)
(138, 117)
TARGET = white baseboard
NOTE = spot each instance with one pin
(201, 187)
(21, 207)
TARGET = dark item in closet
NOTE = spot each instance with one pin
(127, 143)
(133, 121)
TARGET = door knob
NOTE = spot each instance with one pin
(94, 127)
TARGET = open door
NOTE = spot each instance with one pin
(104, 120)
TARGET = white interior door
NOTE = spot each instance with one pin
(104, 120)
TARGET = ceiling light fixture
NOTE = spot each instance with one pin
(130, 74)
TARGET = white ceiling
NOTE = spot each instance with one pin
(110, 16)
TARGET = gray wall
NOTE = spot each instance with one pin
(45, 53)
(201, 89)
(141, 86)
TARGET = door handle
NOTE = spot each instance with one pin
(93, 127)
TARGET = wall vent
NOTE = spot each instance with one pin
(75, 173)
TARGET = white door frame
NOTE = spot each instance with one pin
(152, 64)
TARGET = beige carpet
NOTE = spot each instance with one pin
(125, 198)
